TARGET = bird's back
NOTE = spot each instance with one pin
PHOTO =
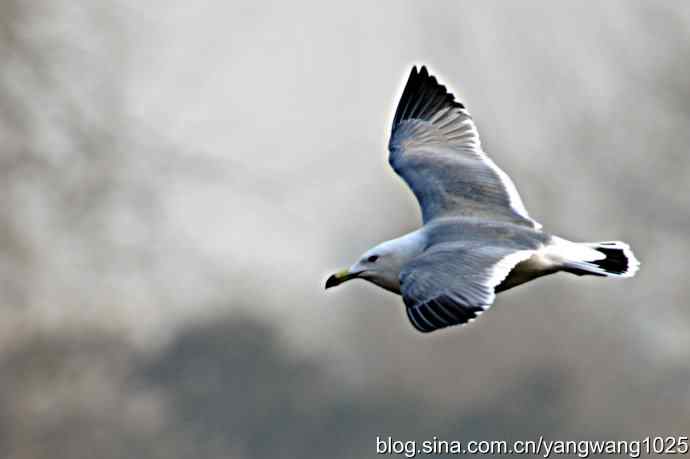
(471, 231)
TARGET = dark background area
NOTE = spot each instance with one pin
(178, 179)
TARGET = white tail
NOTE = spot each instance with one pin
(609, 259)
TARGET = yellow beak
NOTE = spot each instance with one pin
(339, 277)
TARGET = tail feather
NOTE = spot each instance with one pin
(609, 259)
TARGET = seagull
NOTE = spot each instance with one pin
(477, 238)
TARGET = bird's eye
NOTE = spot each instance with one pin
(372, 258)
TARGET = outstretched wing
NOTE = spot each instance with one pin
(452, 283)
(435, 148)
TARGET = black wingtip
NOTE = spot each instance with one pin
(422, 97)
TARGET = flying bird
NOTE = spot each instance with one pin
(477, 238)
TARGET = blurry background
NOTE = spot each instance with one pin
(179, 178)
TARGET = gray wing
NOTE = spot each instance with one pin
(452, 283)
(435, 148)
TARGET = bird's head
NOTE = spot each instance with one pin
(375, 266)
(380, 265)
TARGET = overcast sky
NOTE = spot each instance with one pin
(291, 104)
(263, 127)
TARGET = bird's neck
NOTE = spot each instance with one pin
(397, 252)
(408, 246)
